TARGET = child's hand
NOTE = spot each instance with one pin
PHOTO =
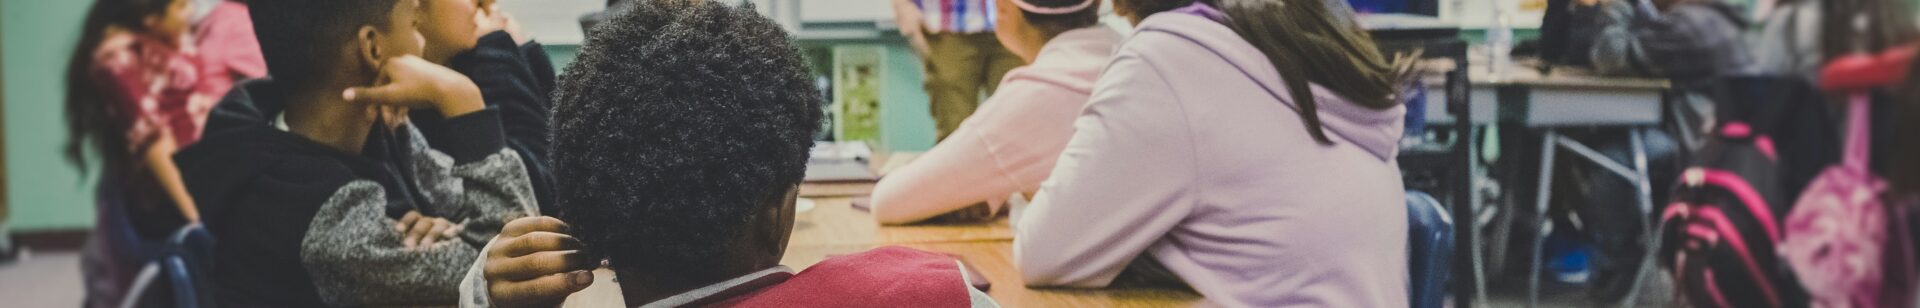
(421, 231)
(535, 264)
(411, 82)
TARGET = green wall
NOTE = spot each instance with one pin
(43, 190)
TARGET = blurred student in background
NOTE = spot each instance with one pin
(228, 51)
(1009, 145)
(1796, 37)
(963, 58)
(130, 84)
(1688, 41)
(1245, 146)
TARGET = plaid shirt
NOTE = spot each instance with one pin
(959, 16)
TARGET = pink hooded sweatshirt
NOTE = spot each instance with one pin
(1193, 152)
(1010, 144)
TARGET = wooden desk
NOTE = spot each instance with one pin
(995, 260)
(835, 228)
(834, 222)
(881, 164)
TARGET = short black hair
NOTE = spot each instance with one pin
(301, 38)
(1054, 25)
(677, 124)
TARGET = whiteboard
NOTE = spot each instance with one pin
(553, 22)
(846, 10)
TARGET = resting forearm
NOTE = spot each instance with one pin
(159, 159)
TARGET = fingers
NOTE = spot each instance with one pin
(437, 231)
(454, 231)
(547, 290)
(418, 232)
(404, 81)
(534, 243)
(538, 264)
(406, 221)
(526, 225)
(378, 95)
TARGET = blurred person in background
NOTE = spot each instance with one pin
(229, 53)
(130, 86)
(963, 58)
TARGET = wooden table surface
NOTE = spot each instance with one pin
(834, 222)
(835, 228)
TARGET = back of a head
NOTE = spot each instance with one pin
(678, 124)
(1308, 41)
(1053, 24)
(301, 38)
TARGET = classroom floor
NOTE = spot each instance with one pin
(43, 279)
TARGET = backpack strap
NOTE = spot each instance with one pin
(1856, 154)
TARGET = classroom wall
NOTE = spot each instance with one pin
(44, 191)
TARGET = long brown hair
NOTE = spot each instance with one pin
(1308, 44)
(91, 119)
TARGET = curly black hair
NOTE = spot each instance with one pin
(678, 124)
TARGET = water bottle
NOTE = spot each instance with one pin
(1500, 45)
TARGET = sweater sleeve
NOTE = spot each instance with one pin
(957, 173)
(355, 257)
(1124, 180)
(516, 80)
(1006, 147)
(481, 194)
(473, 286)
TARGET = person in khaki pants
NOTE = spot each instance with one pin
(955, 39)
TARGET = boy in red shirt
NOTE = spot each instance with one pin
(681, 134)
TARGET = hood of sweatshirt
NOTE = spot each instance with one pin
(1378, 131)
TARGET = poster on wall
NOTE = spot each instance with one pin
(856, 93)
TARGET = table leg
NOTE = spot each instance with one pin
(1650, 238)
(1548, 144)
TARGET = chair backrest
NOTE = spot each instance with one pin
(1429, 249)
(188, 261)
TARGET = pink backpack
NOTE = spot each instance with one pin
(1837, 232)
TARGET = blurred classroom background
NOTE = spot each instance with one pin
(860, 58)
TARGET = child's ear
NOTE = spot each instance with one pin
(370, 51)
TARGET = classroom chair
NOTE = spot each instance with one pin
(1429, 250)
(187, 260)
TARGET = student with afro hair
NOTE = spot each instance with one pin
(681, 134)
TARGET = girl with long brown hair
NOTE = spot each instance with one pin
(1247, 147)
(130, 84)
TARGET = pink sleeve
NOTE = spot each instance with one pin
(1006, 147)
(226, 39)
(124, 84)
(1123, 182)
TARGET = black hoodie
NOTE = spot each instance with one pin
(516, 79)
(302, 225)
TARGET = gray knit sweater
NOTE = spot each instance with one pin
(354, 253)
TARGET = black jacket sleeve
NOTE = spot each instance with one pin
(516, 80)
